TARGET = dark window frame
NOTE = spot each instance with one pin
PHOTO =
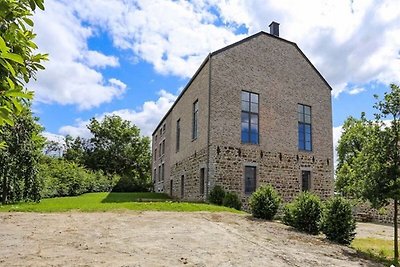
(305, 180)
(163, 147)
(182, 186)
(195, 119)
(304, 124)
(201, 180)
(178, 134)
(250, 190)
(162, 171)
(250, 113)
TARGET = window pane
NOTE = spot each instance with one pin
(300, 117)
(254, 107)
(250, 179)
(307, 129)
(307, 110)
(245, 137)
(307, 119)
(245, 117)
(253, 128)
(245, 96)
(254, 138)
(254, 119)
(308, 146)
(300, 108)
(245, 106)
(307, 137)
(254, 98)
(245, 127)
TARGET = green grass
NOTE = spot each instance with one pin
(92, 202)
(380, 250)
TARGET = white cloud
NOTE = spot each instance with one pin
(146, 117)
(337, 133)
(70, 76)
(96, 59)
(54, 137)
(356, 90)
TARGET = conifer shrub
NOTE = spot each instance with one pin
(231, 200)
(304, 213)
(216, 195)
(264, 202)
(338, 223)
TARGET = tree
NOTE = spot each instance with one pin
(375, 167)
(115, 148)
(19, 160)
(18, 62)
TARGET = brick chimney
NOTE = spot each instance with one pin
(274, 28)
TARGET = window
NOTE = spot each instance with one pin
(155, 154)
(155, 139)
(304, 118)
(250, 179)
(160, 151)
(164, 128)
(249, 118)
(162, 172)
(163, 147)
(202, 174)
(155, 175)
(182, 186)
(195, 118)
(305, 180)
(171, 187)
(178, 134)
(159, 173)
(161, 132)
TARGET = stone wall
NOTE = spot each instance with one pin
(282, 171)
(365, 213)
(189, 168)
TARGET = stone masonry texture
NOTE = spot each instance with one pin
(282, 76)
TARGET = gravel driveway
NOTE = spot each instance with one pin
(161, 239)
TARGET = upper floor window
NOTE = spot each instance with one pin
(195, 118)
(178, 134)
(249, 117)
(304, 127)
(162, 172)
(164, 128)
(155, 154)
(160, 150)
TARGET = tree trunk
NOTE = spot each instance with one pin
(396, 239)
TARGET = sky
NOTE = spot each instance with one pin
(133, 57)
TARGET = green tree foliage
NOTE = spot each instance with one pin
(264, 203)
(61, 178)
(18, 62)
(337, 222)
(115, 148)
(216, 195)
(19, 159)
(375, 169)
(304, 213)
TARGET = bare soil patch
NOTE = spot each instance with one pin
(161, 239)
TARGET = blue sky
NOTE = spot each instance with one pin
(132, 58)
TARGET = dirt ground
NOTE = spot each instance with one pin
(161, 239)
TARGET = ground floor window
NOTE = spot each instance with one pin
(249, 179)
(202, 174)
(305, 180)
(182, 186)
(171, 187)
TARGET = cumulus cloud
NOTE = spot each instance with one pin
(146, 117)
(71, 76)
(356, 90)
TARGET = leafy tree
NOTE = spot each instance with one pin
(115, 148)
(20, 158)
(18, 62)
(375, 168)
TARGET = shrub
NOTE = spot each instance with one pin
(216, 195)
(264, 202)
(338, 223)
(64, 178)
(232, 200)
(304, 213)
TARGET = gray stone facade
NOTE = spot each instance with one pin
(283, 77)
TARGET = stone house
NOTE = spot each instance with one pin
(255, 112)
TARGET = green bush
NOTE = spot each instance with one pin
(338, 223)
(264, 202)
(216, 195)
(231, 200)
(64, 178)
(304, 213)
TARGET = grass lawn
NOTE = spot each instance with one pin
(111, 202)
(378, 249)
